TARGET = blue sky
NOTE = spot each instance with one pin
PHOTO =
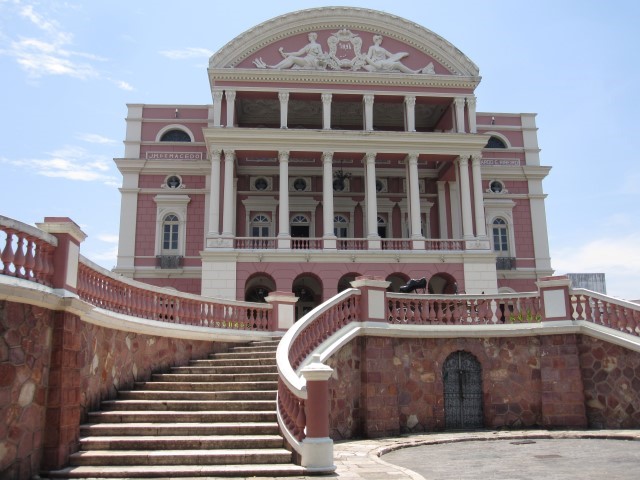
(70, 67)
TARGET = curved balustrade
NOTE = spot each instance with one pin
(602, 310)
(26, 252)
(101, 289)
(297, 345)
(462, 309)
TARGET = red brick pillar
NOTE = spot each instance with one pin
(373, 304)
(317, 446)
(62, 420)
(66, 254)
(563, 398)
(284, 309)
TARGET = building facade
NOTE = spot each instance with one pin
(340, 142)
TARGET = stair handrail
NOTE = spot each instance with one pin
(118, 294)
(600, 309)
(292, 355)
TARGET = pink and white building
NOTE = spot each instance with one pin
(340, 142)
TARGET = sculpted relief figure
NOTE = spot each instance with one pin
(309, 57)
(312, 57)
(379, 59)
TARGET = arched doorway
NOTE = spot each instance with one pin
(345, 281)
(443, 284)
(462, 378)
(396, 281)
(258, 286)
(308, 289)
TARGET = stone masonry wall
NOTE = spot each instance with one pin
(612, 384)
(55, 368)
(386, 386)
(25, 352)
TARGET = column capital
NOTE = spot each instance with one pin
(327, 157)
(412, 157)
(283, 155)
(230, 95)
(471, 101)
(283, 97)
(458, 101)
(368, 98)
(326, 97)
(370, 157)
(217, 95)
(463, 160)
(215, 154)
(229, 154)
(475, 158)
(410, 100)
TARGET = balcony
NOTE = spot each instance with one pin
(349, 244)
(505, 263)
(168, 261)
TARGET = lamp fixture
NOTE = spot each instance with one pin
(339, 177)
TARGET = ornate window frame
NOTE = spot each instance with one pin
(167, 205)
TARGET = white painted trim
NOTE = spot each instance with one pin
(175, 126)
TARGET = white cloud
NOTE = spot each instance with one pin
(186, 53)
(72, 163)
(108, 238)
(121, 84)
(95, 138)
(618, 257)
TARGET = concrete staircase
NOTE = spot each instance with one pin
(213, 418)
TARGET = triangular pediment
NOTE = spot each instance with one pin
(343, 39)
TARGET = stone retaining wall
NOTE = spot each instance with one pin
(54, 368)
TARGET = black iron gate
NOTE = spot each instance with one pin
(462, 375)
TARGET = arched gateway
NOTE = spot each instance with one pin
(462, 378)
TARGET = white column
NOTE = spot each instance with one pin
(217, 107)
(414, 196)
(327, 196)
(459, 104)
(227, 215)
(471, 111)
(214, 197)
(442, 210)
(283, 230)
(410, 112)
(326, 111)
(478, 197)
(284, 108)
(454, 196)
(372, 202)
(368, 112)
(230, 96)
(465, 195)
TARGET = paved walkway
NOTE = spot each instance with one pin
(535, 454)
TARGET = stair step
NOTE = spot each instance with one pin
(243, 355)
(213, 377)
(255, 348)
(180, 457)
(181, 417)
(180, 471)
(208, 386)
(188, 405)
(180, 442)
(189, 395)
(230, 362)
(226, 369)
(179, 428)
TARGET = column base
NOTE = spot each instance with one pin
(317, 455)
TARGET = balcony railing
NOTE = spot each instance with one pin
(505, 263)
(395, 244)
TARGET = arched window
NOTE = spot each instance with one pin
(170, 233)
(299, 220)
(175, 136)
(260, 225)
(500, 236)
(495, 142)
(340, 226)
(382, 227)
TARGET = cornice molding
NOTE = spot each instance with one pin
(344, 141)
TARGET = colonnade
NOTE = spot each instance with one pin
(368, 99)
